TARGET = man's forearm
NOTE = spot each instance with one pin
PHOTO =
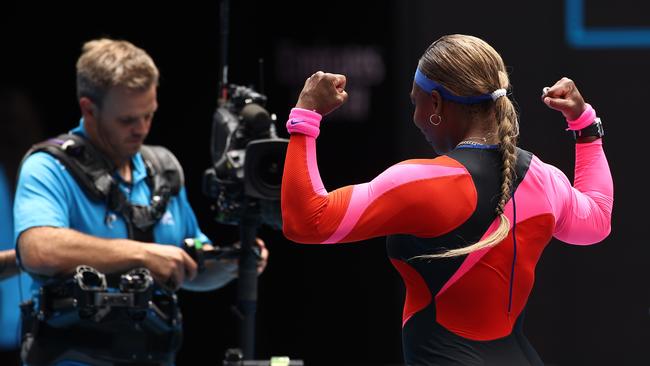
(8, 265)
(51, 251)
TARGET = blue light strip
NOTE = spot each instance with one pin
(579, 36)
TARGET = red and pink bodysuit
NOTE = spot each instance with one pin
(464, 310)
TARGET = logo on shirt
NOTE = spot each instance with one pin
(167, 219)
(109, 219)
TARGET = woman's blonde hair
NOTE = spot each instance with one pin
(106, 63)
(468, 66)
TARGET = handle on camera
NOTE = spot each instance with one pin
(195, 248)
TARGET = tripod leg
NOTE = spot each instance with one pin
(247, 290)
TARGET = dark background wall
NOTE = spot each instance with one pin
(342, 304)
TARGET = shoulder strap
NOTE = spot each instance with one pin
(87, 165)
(164, 167)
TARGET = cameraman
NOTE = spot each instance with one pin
(60, 225)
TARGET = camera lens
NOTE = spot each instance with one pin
(263, 168)
(270, 168)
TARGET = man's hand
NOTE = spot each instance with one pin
(170, 266)
(8, 265)
(264, 255)
(219, 273)
(564, 97)
(262, 259)
(323, 93)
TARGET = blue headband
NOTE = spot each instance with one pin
(429, 85)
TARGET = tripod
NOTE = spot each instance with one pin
(247, 284)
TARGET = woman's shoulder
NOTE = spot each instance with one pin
(442, 161)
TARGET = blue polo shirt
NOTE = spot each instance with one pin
(48, 195)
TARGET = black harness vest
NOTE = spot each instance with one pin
(95, 174)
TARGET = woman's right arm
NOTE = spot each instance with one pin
(419, 197)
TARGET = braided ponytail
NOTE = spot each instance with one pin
(486, 72)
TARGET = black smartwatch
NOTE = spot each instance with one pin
(594, 129)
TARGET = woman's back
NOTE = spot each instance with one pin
(455, 306)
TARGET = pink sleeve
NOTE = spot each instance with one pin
(583, 212)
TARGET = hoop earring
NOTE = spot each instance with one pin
(431, 120)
